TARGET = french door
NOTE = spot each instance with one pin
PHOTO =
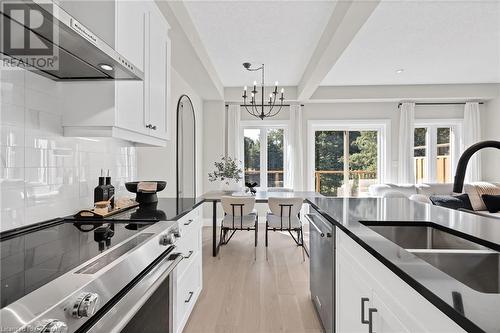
(346, 160)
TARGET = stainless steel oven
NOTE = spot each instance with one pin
(91, 277)
(146, 305)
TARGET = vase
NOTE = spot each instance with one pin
(229, 186)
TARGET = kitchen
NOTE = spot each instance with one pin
(109, 222)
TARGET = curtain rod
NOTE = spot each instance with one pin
(259, 105)
(437, 103)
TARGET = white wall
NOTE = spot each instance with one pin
(44, 175)
(159, 163)
(491, 131)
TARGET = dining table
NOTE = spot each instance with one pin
(260, 197)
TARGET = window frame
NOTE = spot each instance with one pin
(383, 126)
(456, 144)
(263, 126)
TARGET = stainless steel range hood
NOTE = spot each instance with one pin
(78, 53)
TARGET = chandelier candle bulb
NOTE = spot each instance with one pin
(259, 109)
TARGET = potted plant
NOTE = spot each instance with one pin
(228, 172)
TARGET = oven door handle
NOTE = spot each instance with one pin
(125, 309)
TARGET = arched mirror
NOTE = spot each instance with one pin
(186, 149)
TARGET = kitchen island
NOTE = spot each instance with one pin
(405, 287)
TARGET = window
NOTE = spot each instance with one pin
(346, 159)
(436, 150)
(264, 155)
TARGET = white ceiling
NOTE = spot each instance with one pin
(280, 34)
(435, 42)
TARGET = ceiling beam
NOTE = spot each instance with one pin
(397, 93)
(210, 85)
(346, 20)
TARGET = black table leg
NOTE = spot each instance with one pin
(214, 230)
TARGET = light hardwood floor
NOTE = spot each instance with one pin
(243, 295)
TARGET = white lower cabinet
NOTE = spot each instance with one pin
(371, 298)
(189, 282)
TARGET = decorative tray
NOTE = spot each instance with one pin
(93, 213)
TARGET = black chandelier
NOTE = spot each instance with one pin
(258, 110)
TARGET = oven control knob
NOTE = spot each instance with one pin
(85, 305)
(167, 239)
(51, 326)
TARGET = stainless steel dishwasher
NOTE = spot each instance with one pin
(322, 275)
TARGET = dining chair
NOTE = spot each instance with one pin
(284, 215)
(239, 214)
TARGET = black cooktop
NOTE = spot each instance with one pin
(31, 259)
(35, 255)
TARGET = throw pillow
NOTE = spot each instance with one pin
(476, 190)
(452, 201)
(492, 202)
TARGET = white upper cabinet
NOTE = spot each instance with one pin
(157, 74)
(130, 110)
(132, 20)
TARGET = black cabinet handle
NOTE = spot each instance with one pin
(153, 127)
(188, 222)
(189, 297)
(370, 320)
(363, 301)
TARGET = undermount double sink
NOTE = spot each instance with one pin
(471, 263)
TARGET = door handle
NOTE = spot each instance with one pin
(370, 320)
(188, 222)
(363, 301)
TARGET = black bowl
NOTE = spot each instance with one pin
(145, 198)
(132, 186)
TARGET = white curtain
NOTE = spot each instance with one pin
(233, 131)
(406, 169)
(472, 135)
(295, 158)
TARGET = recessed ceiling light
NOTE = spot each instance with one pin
(399, 71)
(106, 67)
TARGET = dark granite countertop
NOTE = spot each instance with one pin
(481, 311)
(166, 209)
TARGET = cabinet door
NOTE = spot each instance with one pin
(158, 47)
(131, 25)
(354, 296)
(384, 320)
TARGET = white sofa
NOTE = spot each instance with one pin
(422, 192)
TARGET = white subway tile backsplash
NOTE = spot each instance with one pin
(41, 84)
(36, 100)
(44, 175)
(11, 157)
(11, 114)
(11, 135)
(11, 175)
(12, 94)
